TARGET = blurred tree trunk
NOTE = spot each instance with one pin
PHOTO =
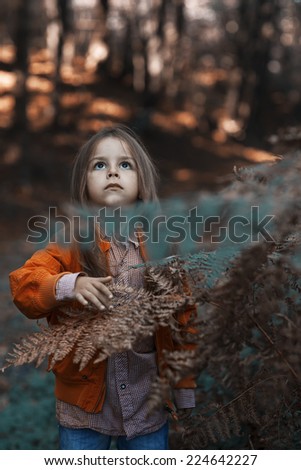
(253, 54)
(20, 124)
(63, 9)
(21, 65)
(105, 6)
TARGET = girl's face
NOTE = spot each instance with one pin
(112, 178)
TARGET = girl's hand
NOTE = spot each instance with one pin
(92, 290)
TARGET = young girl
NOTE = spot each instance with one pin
(109, 398)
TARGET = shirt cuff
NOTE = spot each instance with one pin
(64, 289)
(184, 398)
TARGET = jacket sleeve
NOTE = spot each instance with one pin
(33, 285)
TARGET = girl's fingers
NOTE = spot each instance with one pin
(103, 295)
(102, 288)
(92, 299)
(105, 279)
(80, 298)
(94, 291)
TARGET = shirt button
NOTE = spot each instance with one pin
(122, 386)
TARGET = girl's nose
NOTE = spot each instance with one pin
(112, 172)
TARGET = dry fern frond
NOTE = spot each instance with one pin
(160, 391)
(177, 364)
(221, 423)
(96, 335)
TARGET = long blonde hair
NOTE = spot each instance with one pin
(92, 259)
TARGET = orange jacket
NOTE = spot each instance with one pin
(33, 289)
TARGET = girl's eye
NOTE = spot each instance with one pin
(125, 165)
(99, 166)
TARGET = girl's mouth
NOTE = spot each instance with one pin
(113, 186)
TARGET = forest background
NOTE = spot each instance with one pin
(207, 85)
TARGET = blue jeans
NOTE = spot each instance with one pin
(87, 439)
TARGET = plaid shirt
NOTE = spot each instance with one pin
(130, 374)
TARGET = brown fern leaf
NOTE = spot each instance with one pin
(37, 346)
(160, 391)
(225, 421)
(97, 335)
(179, 364)
(73, 331)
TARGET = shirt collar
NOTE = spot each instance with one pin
(105, 244)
